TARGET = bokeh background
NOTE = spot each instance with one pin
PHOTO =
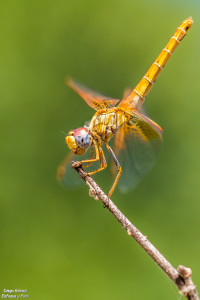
(59, 243)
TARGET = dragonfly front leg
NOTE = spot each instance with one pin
(103, 163)
(99, 156)
(91, 160)
(119, 169)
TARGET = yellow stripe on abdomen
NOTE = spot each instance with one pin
(137, 96)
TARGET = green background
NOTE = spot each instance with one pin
(59, 243)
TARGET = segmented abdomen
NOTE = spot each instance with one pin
(137, 96)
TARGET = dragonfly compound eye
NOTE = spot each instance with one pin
(82, 138)
(78, 140)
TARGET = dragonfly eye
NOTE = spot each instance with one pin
(78, 140)
(82, 138)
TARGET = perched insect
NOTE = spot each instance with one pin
(137, 139)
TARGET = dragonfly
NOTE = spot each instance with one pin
(137, 139)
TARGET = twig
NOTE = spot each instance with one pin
(181, 277)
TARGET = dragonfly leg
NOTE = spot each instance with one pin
(91, 158)
(102, 159)
(103, 163)
(99, 156)
(119, 169)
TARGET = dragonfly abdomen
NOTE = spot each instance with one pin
(137, 96)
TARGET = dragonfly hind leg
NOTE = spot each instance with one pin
(119, 169)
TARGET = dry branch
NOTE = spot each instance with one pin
(181, 277)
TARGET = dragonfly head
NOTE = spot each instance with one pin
(78, 140)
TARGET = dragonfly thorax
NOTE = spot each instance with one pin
(78, 140)
(106, 123)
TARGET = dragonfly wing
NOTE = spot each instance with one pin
(126, 93)
(92, 98)
(66, 175)
(136, 145)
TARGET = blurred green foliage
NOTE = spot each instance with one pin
(61, 244)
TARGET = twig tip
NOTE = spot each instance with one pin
(76, 164)
(184, 272)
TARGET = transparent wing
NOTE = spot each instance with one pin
(126, 93)
(92, 98)
(66, 175)
(136, 145)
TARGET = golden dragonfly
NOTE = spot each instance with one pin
(137, 139)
